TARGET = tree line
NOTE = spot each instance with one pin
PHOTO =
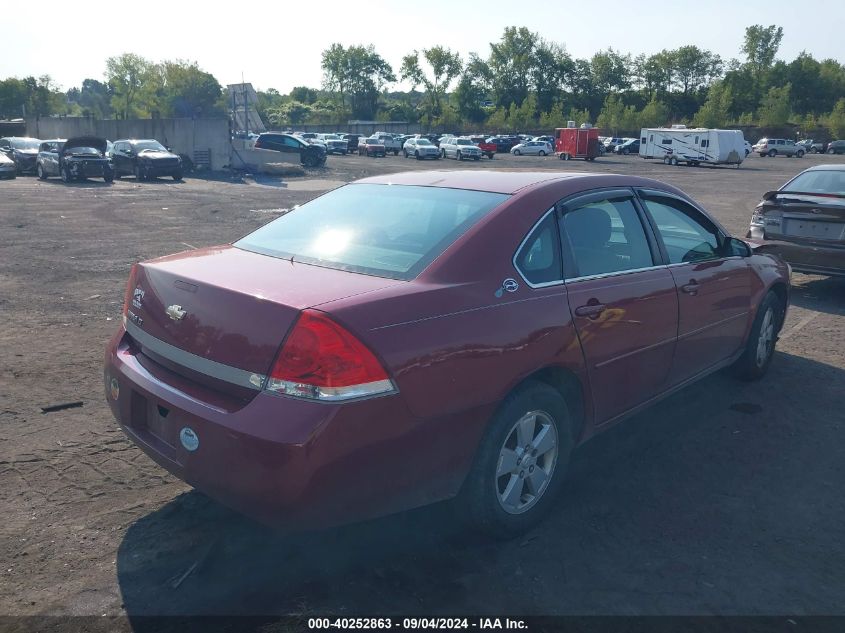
(524, 82)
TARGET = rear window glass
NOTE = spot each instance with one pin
(818, 181)
(390, 231)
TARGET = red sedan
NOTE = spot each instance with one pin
(414, 337)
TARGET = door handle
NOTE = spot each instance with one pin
(691, 288)
(591, 310)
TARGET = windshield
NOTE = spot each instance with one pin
(79, 150)
(423, 141)
(24, 143)
(373, 141)
(818, 181)
(391, 231)
(464, 141)
(155, 146)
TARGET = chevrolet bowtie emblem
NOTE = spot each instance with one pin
(175, 312)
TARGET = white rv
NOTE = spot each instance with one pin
(693, 146)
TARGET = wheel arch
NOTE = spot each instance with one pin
(567, 383)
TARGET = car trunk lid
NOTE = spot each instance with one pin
(221, 313)
(805, 217)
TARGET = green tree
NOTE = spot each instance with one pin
(836, 120)
(774, 108)
(133, 81)
(715, 111)
(291, 113)
(188, 91)
(511, 65)
(356, 75)
(760, 46)
(612, 114)
(654, 114)
(472, 90)
(442, 67)
(693, 67)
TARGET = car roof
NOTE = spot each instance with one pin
(494, 181)
(829, 167)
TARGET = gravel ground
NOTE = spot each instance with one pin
(724, 499)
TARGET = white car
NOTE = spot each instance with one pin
(459, 148)
(532, 148)
(7, 167)
(420, 148)
(748, 148)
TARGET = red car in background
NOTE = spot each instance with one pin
(414, 337)
(371, 147)
(488, 149)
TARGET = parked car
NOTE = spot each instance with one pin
(631, 146)
(335, 144)
(351, 141)
(804, 221)
(145, 159)
(8, 169)
(487, 149)
(460, 148)
(47, 161)
(548, 139)
(390, 143)
(611, 142)
(836, 147)
(22, 150)
(414, 337)
(371, 147)
(310, 155)
(420, 148)
(774, 146)
(748, 148)
(503, 143)
(84, 157)
(532, 148)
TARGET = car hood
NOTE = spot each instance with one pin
(155, 154)
(86, 141)
(28, 151)
(5, 160)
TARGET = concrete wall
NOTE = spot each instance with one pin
(182, 135)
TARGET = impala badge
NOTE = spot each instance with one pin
(175, 312)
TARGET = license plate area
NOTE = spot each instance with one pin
(813, 229)
(154, 422)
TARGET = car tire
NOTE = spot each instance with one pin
(626, 151)
(502, 496)
(139, 173)
(516, 152)
(417, 155)
(772, 153)
(108, 177)
(396, 152)
(760, 347)
(66, 177)
(177, 176)
(673, 161)
(405, 152)
(541, 152)
(41, 174)
(490, 155)
(831, 151)
(799, 154)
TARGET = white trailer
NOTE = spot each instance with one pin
(693, 146)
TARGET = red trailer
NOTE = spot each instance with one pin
(577, 142)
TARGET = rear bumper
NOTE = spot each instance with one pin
(152, 169)
(805, 258)
(283, 461)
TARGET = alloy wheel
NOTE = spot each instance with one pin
(766, 338)
(526, 462)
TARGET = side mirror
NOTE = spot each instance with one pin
(770, 195)
(738, 247)
(168, 148)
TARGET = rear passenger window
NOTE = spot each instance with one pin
(606, 236)
(689, 236)
(539, 257)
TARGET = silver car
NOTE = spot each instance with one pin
(7, 167)
(459, 148)
(774, 146)
(532, 148)
(420, 148)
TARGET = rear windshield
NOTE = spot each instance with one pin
(819, 181)
(392, 231)
(24, 143)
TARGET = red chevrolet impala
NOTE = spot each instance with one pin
(414, 337)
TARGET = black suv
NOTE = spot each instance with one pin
(310, 155)
(145, 159)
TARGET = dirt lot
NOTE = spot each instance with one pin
(726, 498)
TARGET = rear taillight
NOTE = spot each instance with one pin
(320, 360)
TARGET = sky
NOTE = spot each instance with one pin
(278, 44)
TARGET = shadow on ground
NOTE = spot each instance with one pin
(722, 499)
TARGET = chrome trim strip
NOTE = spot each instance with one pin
(647, 348)
(544, 284)
(226, 373)
(615, 273)
(710, 326)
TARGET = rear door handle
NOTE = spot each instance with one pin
(691, 288)
(591, 311)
